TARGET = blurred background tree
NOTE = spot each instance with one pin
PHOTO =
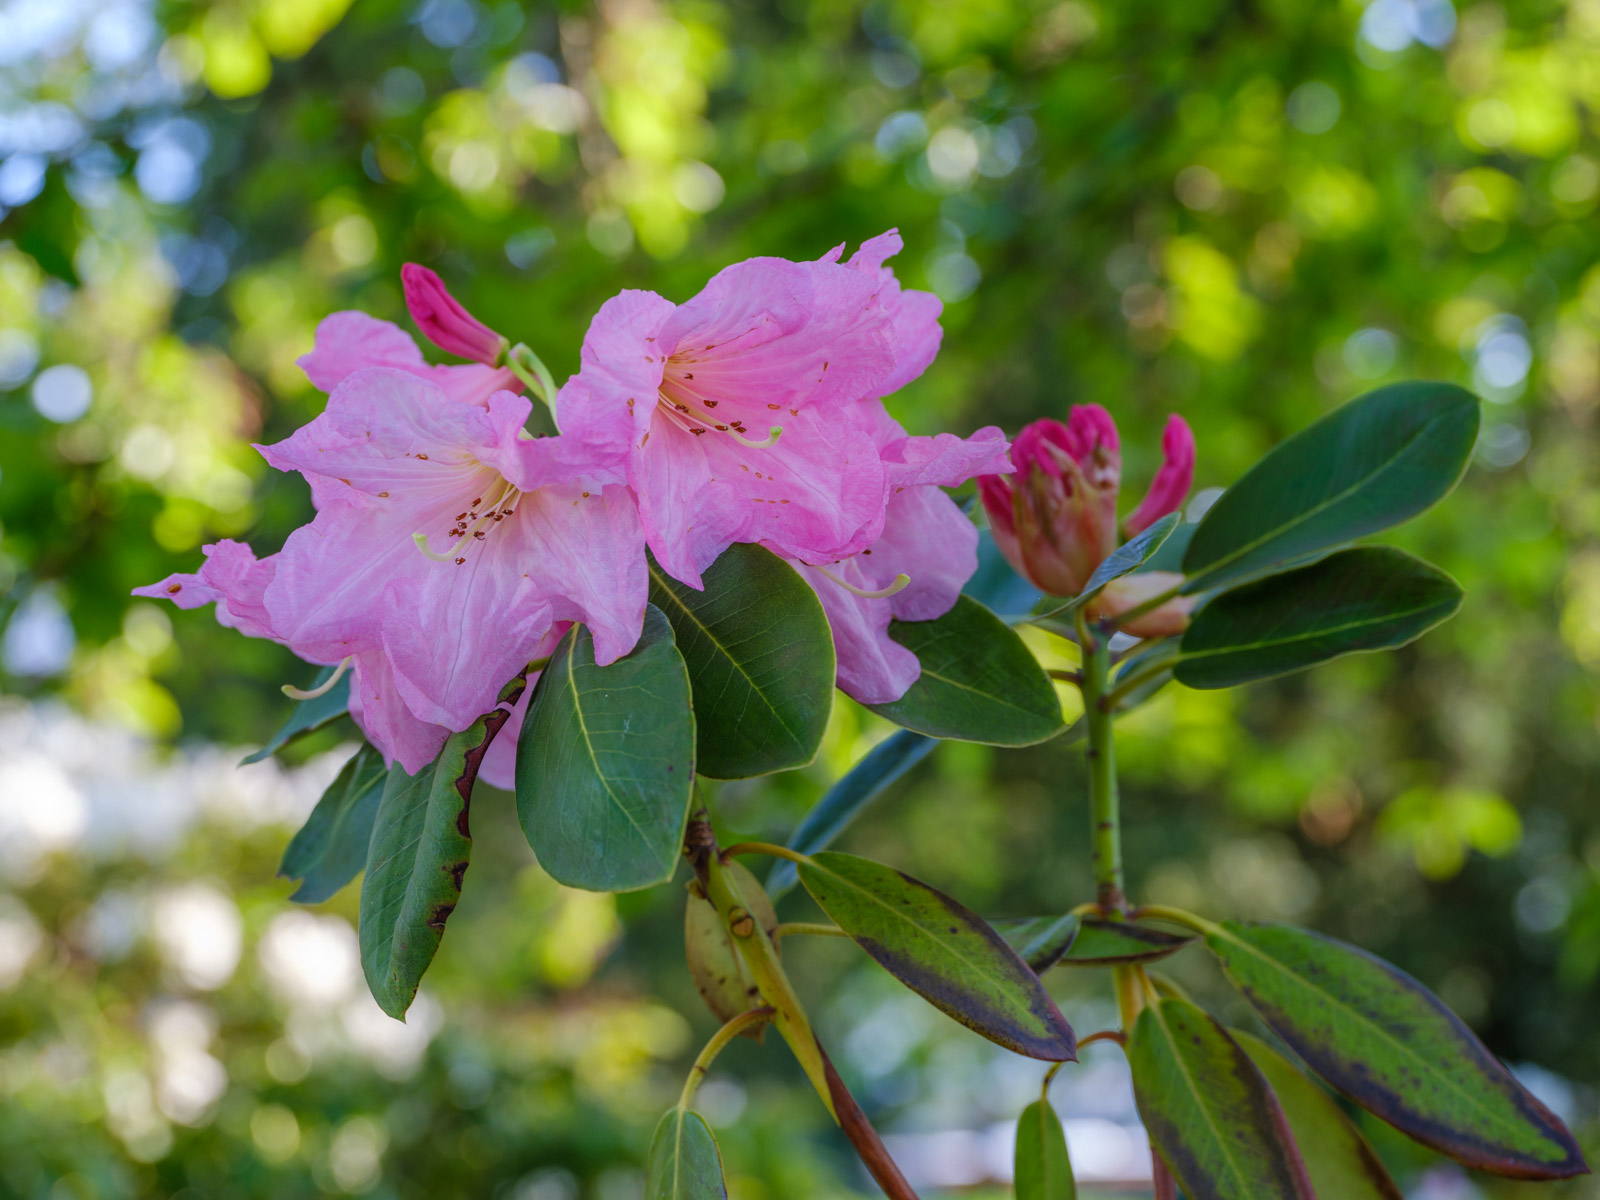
(1245, 213)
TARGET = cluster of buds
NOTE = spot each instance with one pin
(1055, 519)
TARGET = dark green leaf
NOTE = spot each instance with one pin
(1043, 1170)
(421, 842)
(1337, 1157)
(1366, 598)
(684, 1163)
(1129, 556)
(760, 659)
(1039, 941)
(605, 763)
(720, 973)
(979, 683)
(846, 799)
(1392, 1046)
(941, 951)
(308, 715)
(1170, 555)
(331, 848)
(1209, 1110)
(1107, 943)
(1368, 466)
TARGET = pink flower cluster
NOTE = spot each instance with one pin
(450, 548)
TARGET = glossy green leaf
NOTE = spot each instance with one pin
(1108, 943)
(1366, 598)
(421, 843)
(1129, 556)
(308, 715)
(605, 763)
(979, 682)
(720, 974)
(760, 658)
(1392, 1046)
(684, 1162)
(1042, 1169)
(1370, 465)
(1208, 1109)
(846, 799)
(1337, 1157)
(1039, 941)
(942, 951)
(331, 848)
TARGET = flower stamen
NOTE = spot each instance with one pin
(322, 689)
(901, 582)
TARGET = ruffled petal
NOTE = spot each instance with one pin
(348, 341)
(379, 711)
(928, 538)
(873, 667)
(234, 579)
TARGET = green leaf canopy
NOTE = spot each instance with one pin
(1392, 1046)
(760, 658)
(1208, 1109)
(942, 951)
(979, 682)
(605, 763)
(1378, 461)
(1366, 598)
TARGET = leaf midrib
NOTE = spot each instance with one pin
(1312, 635)
(588, 742)
(1199, 1096)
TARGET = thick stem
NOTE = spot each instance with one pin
(715, 1046)
(869, 1146)
(1105, 818)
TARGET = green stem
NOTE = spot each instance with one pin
(1126, 686)
(739, 848)
(535, 376)
(1105, 818)
(816, 928)
(714, 1047)
(1178, 916)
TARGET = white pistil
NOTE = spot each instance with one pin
(901, 582)
(323, 689)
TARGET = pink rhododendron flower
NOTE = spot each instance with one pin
(1055, 520)
(915, 568)
(348, 341)
(730, 412)
(447, 546)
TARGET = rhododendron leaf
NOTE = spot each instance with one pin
(1378, 461)
(421, 843)
(760, 658)
(1108, 943)
(1129, 556)
(605, 763)
(979, 682)
(1337, 1157)
(846, 799)
(1392, 1046)
(1040, 941)
(719, 971)
(331, 848)
(308, 715)
(1366, 598)
(1209, 1110)
(684, 1162)
(942, 951)
(1042, 1169)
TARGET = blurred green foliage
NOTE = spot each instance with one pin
(1247, 213)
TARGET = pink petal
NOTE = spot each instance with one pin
(499, 766)
(927, 537)
(914, 315)
(377, 708)
(348, 341)
(232, 578)
(607, 407)
(1171, 483)
(873, 667)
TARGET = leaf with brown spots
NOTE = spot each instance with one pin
(942, 951)
(1209, 1110)
(421, 842)
(1391, 1045)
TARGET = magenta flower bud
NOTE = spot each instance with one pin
(1055, 519)
(444, 322)
(1171, 484)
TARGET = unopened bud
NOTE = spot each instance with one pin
(445, 323)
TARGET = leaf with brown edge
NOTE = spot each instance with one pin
(942, 951)
(1109, 943)
(1209, 1110)
(421, 844)
(1392, 1046)
(720, 973)
(1337, 1157)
